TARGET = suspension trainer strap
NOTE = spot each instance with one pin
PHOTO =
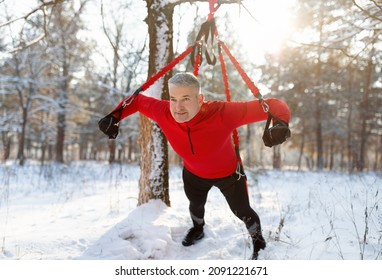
(235, 135)
(167, 68)
(253, 88)
(198, 56)
(207, 30)
(227, 90)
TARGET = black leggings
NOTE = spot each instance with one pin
(234, 189)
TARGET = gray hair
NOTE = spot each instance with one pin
(185, 79)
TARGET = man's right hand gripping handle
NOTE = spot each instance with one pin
(109, 125)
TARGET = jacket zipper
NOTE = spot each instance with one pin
(189, 139)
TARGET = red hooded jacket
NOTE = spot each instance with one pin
(205, 143)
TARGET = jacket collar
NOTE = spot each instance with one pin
(198, 117)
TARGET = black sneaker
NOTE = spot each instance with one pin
(258, 244)
(193, 234)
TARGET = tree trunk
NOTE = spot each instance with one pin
(153, 183)
(318, 116)
(112, 147)
(319, 140)
(377, 152)
(25, 106)
(24, 117)
(364, 133)
(6, 144)
(302, 146)
(61, 115)
(61, 126)
(301, 153)
(379, 155)
(277, 157)
(21, 149)
(331, 153)
(130, 149)
(349, 124)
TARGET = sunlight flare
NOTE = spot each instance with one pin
(264, 26)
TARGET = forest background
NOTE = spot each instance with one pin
(65, 64)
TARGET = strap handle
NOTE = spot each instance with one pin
(207, 29)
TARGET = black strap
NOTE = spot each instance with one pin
(268, 121)
(270, 117)
(207, 29)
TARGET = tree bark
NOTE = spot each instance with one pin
(61, 114)
(301, 153)
(277, 157)
(318, 116)
(25, 104)
(6, 144)
(365, 133)
(153, 183)
(349, 138)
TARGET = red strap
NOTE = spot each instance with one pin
(225, 76)
(167, 68)
(247, 80)
(198, 58)
(235, 134)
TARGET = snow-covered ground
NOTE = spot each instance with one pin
(88, 211)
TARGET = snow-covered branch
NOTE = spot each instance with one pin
(41, 8)
(373, 11)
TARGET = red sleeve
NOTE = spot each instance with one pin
(236, 114)
(148, 106)
(279, 109)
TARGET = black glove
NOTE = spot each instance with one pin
(276, 134)
(109, 125)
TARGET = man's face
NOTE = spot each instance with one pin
(185, 102)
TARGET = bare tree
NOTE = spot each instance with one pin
(126, 57)
(41, 8)
(67, 52)
(25, 69)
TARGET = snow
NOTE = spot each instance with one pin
(88, 211)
